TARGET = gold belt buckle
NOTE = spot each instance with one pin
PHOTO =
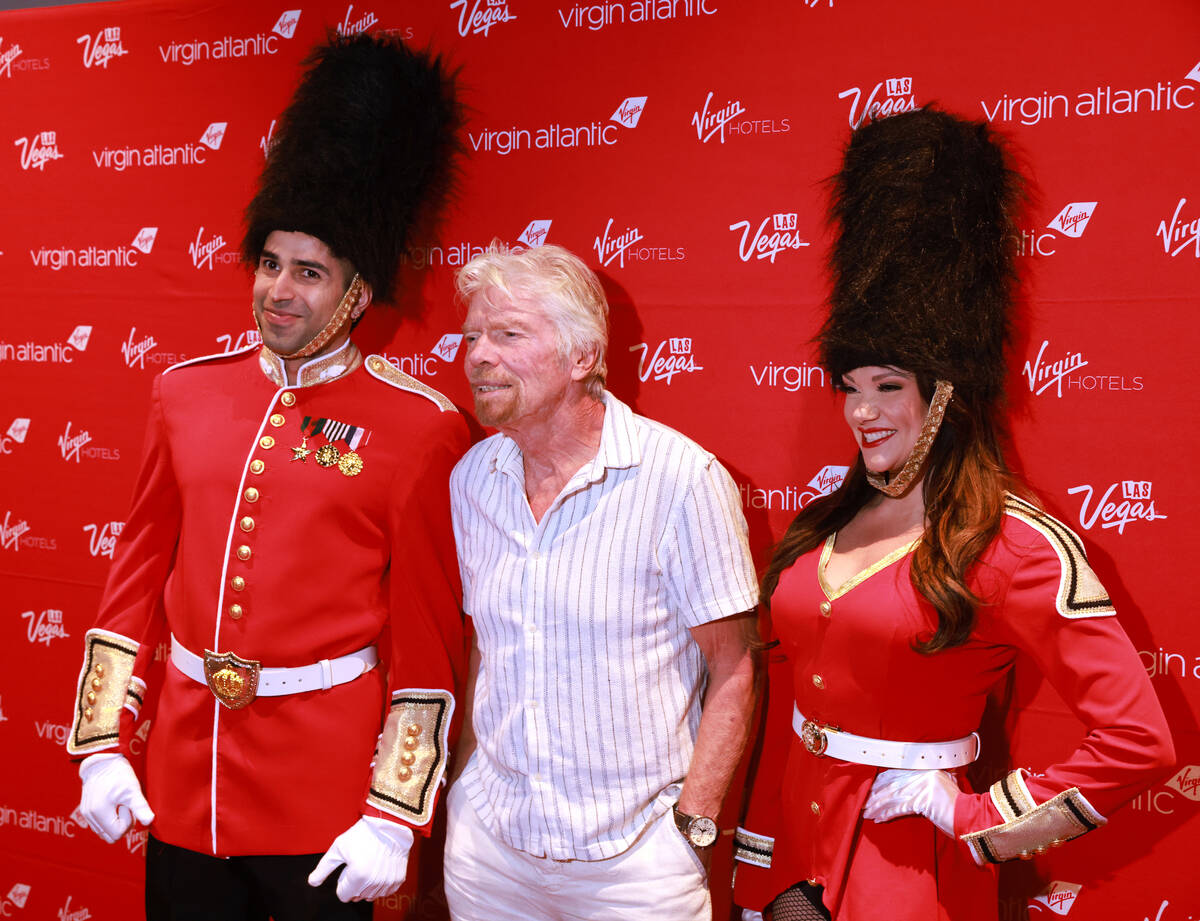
(232, 679)
(814, 738)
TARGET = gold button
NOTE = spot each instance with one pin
(288, 399)
(238, 583)
(91, 697)
(407, 758)
(410, 742)
(97, 683)
(267, 441)
(815, 807)
(243, 552)
(405, 773)
(818, 681)
(257, 466)
(99, 670)
(376, 364)
(413, 729)
(277, 419)
(246, 524)
(251, 494)
(826, 607)
(88, 714)
(235, 611)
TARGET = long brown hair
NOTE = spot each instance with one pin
(966, 481)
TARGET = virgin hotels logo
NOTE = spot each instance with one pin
(362, 23)
(7, 56)
(1045, 372)
(610, 246)
(1180, 233)
(710, 121)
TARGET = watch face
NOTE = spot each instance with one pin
(702, 831)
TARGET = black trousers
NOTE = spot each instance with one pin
(183, 885)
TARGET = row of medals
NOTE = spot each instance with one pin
(327, 455)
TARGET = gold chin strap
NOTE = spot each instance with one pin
(332, 328)
(895, 486)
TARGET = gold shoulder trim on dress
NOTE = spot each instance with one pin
(411, 757)
(381, 369)
(106, 685)
(1080, 593)
(1029, 829)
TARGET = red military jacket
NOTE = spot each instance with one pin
(849, 662)
(240, 541)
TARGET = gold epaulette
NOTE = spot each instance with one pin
(1080, 593)
(411, 756)
(106, 686)
(1030, 829)
(381, 369)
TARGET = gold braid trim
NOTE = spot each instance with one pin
(751, 848)
(411, 756)
(106, 683)
(1030, 829)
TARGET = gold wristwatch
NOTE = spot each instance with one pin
(700, 830)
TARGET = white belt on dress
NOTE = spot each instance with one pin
(236, 681)
(828, 740)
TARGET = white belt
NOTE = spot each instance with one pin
(276, 682)
(826, 740)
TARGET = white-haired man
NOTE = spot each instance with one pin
(608, 576)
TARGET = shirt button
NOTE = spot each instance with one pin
(238, 583)
(277, 419)
(532, 628)
(826, 607)
(818, 682)
(243, 552)
(266, 441)
(531, 704)
(257, 466)
(288, 399)
(246, 524)
(251, 494)
(815, 807)
(235, 611)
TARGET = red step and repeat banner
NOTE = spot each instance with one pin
(679, 146)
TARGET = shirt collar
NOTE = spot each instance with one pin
(338, 363)
(619, 446)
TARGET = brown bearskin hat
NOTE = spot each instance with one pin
(923, 261)
(364, 144)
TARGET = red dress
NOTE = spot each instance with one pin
(236, 542)
(853, 666)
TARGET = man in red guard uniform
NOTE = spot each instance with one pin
(290, 538)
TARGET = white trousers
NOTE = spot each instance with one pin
(660, 877)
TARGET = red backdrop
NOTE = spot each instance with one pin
(679, 146)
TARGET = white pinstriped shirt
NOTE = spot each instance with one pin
(588, 695)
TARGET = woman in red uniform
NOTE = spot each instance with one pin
(901, 599)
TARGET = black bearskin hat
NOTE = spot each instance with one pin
(365, 143)
(923, 260)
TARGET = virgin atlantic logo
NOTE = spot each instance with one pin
(1058, 897)
(534, 233)
(1073, 218)
(629, 112)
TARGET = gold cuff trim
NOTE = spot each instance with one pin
(751, 848)
(411, 757)
(104, 686)
(1029, 829)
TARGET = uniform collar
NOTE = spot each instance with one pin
(319, 370)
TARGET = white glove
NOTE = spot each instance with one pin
(112, 797)
(375, 852)
(898, 792)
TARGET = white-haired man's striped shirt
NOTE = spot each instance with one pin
(589, 689)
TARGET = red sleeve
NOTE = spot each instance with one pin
(427, 658)
(1057, 613)
(120, 647)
